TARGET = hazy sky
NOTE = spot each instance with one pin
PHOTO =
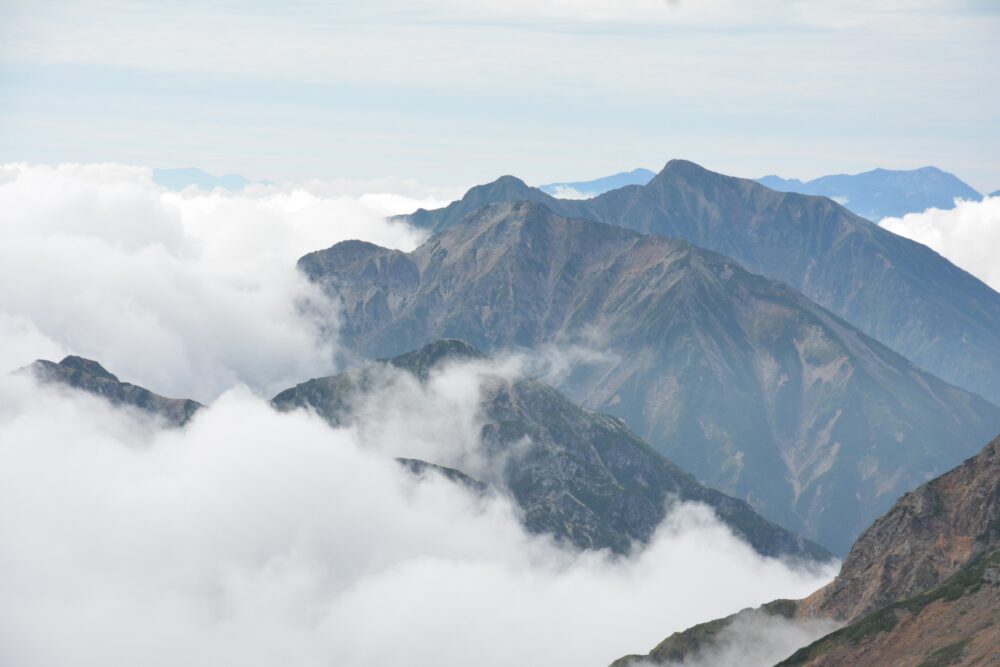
(457, 92)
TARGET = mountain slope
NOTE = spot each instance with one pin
(583, 477)
(882, 193)
(921, 586)
(741, 380)
(88, 375)
(893, 289)
(600, 185)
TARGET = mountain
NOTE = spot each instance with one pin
(88, 375)
(921, 586)
(893, 289)
(741, 380)
(178, 179)
(583, 476)
(995, 193)
(599, 185)
(883, 193)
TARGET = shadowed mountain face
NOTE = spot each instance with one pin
(883, 192)
(88, 375)
(600, 185)
(582, 476)
(893, 289)
(740, 380)
(921, 586)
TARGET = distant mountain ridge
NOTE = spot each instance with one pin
(599, 186)
(894, 289)
(89, 376)
(584, 477)
(882, 193)
(740, 380)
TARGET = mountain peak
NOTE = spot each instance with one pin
(88, 366)
(435, 354)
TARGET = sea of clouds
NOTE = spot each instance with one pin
(255, 537)
(968, 235)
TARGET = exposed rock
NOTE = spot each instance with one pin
(893, 289)
(88, 375)
(742, 381)
(576, 474)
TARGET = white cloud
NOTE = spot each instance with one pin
(566, 192)
(259, 538)
(187, 293)
(968, 235)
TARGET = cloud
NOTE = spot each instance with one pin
(968, 235)
(257, 538)
(188, 293)
(566, 192)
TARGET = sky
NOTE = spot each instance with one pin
(455, 93)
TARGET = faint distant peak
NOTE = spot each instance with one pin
(597, 186)
(179, 179)
(881, 193)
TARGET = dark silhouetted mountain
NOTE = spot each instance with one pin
(422, 468)
(601, 185)
(88, 375)
(895, 290)
(178, 179)
(582, 476)
(883, 193)
(739, 379)
(921, 586)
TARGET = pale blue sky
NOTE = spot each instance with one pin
(457, 92)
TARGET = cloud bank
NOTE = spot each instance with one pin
(258, 538)
(188, 292)
(254, 537)
(968, 235)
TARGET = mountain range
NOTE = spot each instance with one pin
(585, 478)
(921, 586)
(742, 381)
(599, 185)
(896, 290)
(883, 193)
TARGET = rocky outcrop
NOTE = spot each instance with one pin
(89, 376)
(576, 474)
(928, 536)
(921, 587)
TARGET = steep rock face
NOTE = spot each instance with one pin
(881, 193)
(954, 623)
(893, 289)
(741, 380)
(88, 375)
(920, 587)
(579, 475)
(926, 537)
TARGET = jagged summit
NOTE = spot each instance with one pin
(893, 289)
(579, 475)
(90, 376)
(88, 366)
